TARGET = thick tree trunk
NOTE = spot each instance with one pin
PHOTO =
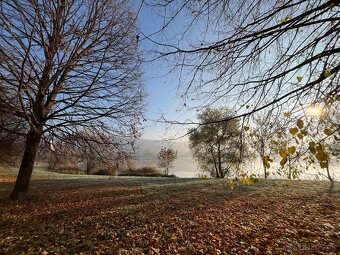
(26, 167)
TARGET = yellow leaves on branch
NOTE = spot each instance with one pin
(299, 78)
(319, 151)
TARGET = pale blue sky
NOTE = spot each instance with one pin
(160, 87)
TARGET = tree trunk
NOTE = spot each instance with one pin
(265, 171)
(26, 167)
(289, 169)
(329, 175)
(220, 161)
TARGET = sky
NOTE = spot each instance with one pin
(161, 89)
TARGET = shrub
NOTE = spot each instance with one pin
(149, 171)
(104, 171)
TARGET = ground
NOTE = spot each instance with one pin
(65, 214)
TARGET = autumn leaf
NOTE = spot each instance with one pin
(293, 131)
(326, 73)
(321, 156)
(291, 149)
(300, 123)
(283, 162)
(327, 131)
(287, 114)
(324, 164)
(283, 153)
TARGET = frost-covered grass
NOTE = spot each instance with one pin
(76, 214)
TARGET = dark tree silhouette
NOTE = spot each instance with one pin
(67, 66)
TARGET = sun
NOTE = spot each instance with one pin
(314, 110)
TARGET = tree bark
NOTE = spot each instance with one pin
(26, 167)
(329, 175)
(219, 161)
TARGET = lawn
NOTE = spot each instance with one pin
(66, 214)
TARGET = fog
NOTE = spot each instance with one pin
(185, 166)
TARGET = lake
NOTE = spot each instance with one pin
(187, 167)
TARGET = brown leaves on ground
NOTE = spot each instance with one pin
(154, 216)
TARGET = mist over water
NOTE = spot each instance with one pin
(185, 166)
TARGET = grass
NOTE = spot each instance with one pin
(69, 214)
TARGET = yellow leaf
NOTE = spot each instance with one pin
(285, 19)
(286, 114)
(291, 149)
(246, 128)
(230, 184)
(300, 135)
(303, 131)
(300, 123)
(320, 147)
(274, 142)
(283, 153)
(293, 131)
(327, 131)
(326, 73)
(321, 156)
(312, 150)
(283, 162)
(324, 164)
(299, 78)
(312, 144)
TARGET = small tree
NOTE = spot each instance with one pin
(217, 146)
(166, 159)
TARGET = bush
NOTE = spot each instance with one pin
(169, 175)
(67, 169)
(149, 171)
(104, 171)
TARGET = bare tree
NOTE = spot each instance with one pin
(260, 138)
(166, 159)
(259, 54)
(70, 65)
